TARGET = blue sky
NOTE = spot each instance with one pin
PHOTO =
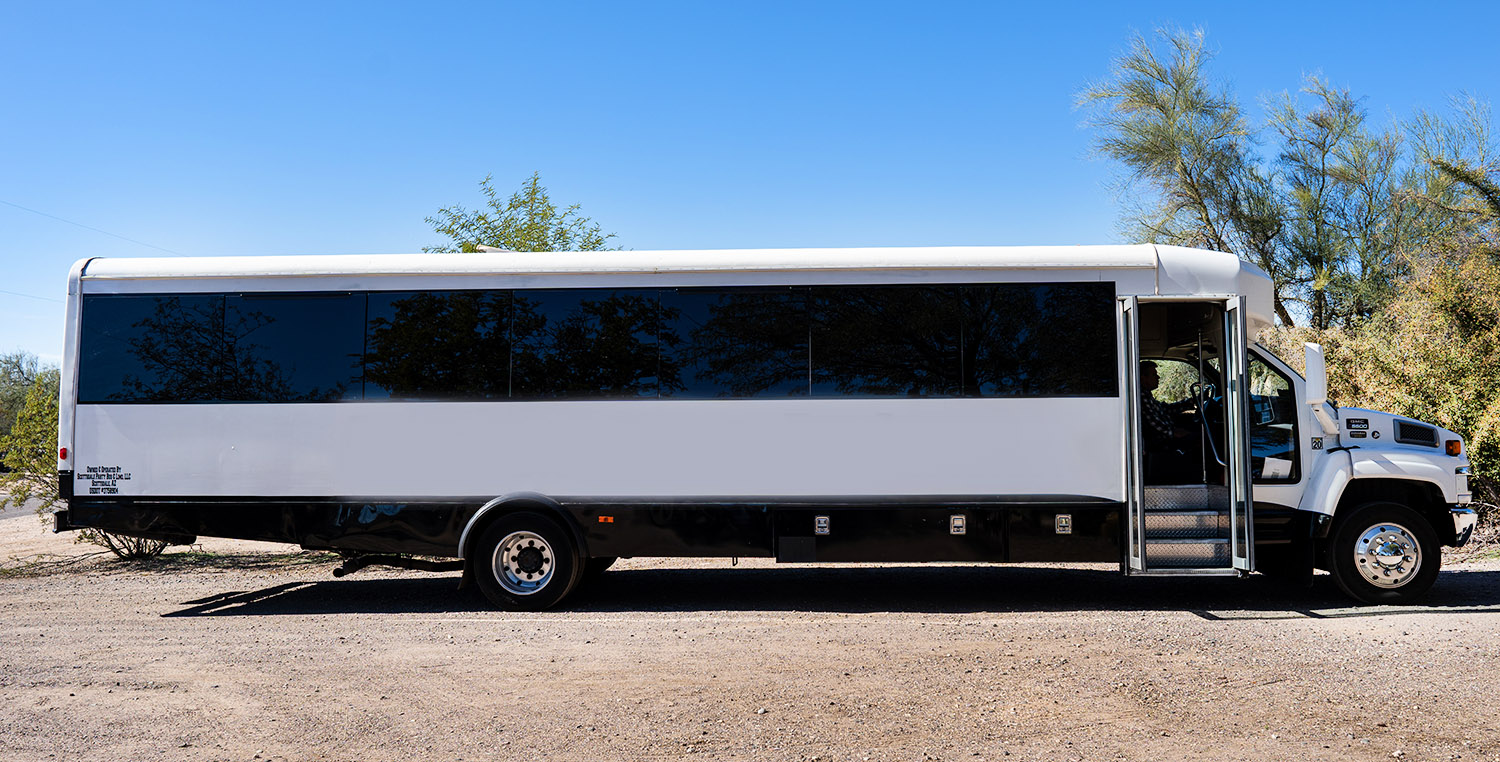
(291, 128)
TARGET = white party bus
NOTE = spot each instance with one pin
(536, 416)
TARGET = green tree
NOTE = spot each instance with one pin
(1456, 162)
(1476, 180)
(1332, 214)
(526, 221)
(29, 447)
(1185, 141)
(1433, 351)
(18, 371)
(1348, 213)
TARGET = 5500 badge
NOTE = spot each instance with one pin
(104, 480)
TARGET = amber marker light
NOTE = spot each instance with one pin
(1455, 446)
(606, 519)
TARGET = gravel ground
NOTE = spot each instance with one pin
(251, 653)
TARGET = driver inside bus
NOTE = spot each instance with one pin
(1166, 440)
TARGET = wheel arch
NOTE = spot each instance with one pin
(512, 503)
(1421, 495)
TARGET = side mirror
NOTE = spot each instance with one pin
(1317, 389)
(1317, 375)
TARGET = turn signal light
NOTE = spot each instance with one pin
(62, 453)
(1455, 446)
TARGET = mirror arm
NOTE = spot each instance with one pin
(1322, 412)
(1316, 388)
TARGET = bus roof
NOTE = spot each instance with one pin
(1141, 269)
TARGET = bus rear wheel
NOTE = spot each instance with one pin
(526, 562)
(1384, 553)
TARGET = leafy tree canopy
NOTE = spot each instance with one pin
(527, 220)
(1333, 208)
(18, 371)
(28, 449)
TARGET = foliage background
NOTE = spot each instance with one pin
(1380, 239)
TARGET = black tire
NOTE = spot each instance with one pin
(593, 568)
(542, 569)
(1394, 527)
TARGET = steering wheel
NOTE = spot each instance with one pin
(1204, 397)
(1204, 393)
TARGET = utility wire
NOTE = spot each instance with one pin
(31, 296)
(96, 230)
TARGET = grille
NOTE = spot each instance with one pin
(1416, 434)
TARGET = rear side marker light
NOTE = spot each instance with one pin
(1454, 446)
(62, 453)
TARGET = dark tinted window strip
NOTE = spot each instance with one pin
(155, 348)
(733, 343)
(907, 341)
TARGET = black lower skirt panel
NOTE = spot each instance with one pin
(913, 529)
(430, 529)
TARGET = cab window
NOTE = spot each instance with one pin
(1273, 424)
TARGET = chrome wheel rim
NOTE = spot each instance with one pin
(523, 563)
(1387, 555)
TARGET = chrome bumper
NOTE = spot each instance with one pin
(1464, 519)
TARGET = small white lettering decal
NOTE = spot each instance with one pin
(104, 480)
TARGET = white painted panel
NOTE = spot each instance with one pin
(1133, 267)
(1127, 280)
(647, 448)
(600, 262)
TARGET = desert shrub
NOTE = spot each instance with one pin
(1433, 355)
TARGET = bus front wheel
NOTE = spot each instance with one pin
(1384, 553)
(526, 562)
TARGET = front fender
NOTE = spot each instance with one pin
(1397, 464)
(1333, 474)
(1329, 477)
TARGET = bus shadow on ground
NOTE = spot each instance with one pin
(907, 589)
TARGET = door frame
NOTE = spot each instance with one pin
(1237, 440)
(1128, 316)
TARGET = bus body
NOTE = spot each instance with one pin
(538, 415)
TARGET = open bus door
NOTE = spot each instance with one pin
(1202, 528)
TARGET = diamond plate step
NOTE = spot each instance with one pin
(1181, 525)
(1196, 553)
(1187, 497)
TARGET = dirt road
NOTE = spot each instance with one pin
(250, 655)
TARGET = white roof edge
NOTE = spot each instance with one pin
(1129, 256)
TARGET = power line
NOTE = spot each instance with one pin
(31, 296)
(96, 230)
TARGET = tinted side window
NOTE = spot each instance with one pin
(898, 341)
(438, 345)
(594, 343)
(744, 342)
(151, 348)
(1039, 340)
(1273, 424)
(293, 348)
